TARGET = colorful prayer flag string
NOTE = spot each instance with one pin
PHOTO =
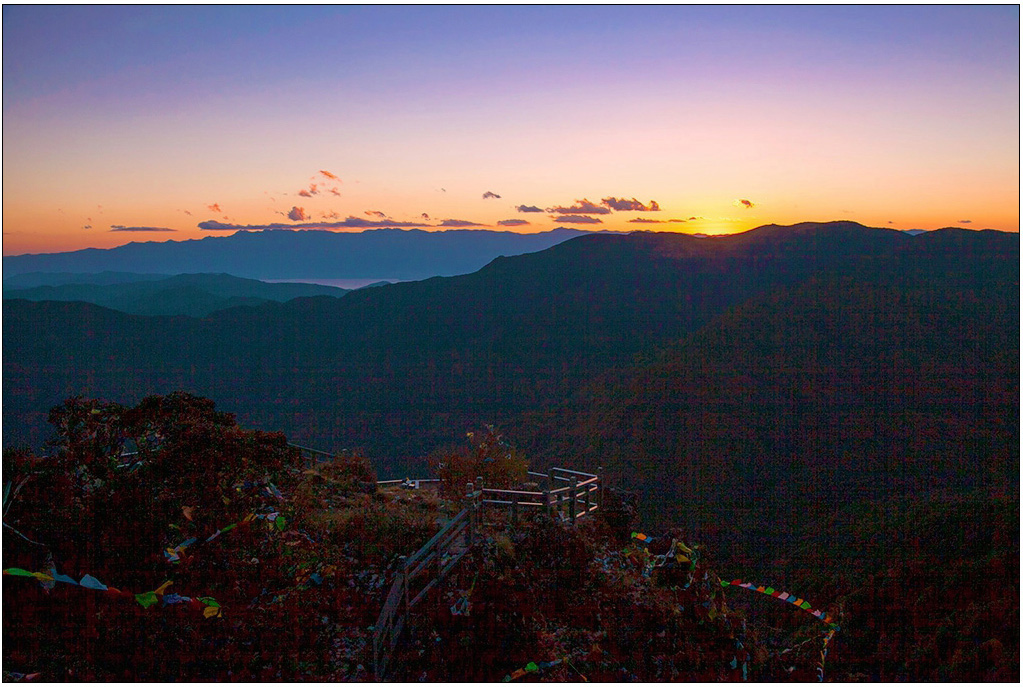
(532, 667)
(786, 597)
(210, 607)
(273, 520)
(802, 604)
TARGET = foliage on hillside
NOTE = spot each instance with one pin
(213, 553)
(294, 559)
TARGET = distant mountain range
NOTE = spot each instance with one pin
(760, 385)
(30, 280)
(141, 294)
(398, 254)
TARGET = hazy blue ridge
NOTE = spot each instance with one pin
(196, 295)
(285, 254)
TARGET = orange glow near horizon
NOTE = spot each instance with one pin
(864, 116)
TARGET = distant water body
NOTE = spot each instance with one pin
(339, 283)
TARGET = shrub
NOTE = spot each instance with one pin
(488, 455)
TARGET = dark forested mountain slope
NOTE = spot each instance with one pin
(185, 294)
(397, 369)
(402, 368)
(780, 417)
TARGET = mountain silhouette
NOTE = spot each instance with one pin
(741, 380)
(299, 254)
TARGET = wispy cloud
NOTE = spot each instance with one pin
(121, 227)
(630, 204)
(333, 189)
(490, 194)
(578, 219)
(87, 226)
(297, 214)
(347, 223)
(214, 207)
(512, 222)
(459, 223)
(425, 216)
(528, 208)
(644, 220)
(329, 175)
(581, 207)
(744, 203)
(678, 220)
(375, 213)
(966, 221)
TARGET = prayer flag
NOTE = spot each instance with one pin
(17, 571)
(146, 599)
(92, 583)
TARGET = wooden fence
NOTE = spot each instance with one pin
(567, 495)
(431, 564)
(578, 498)
(313, 455)
(421, 572)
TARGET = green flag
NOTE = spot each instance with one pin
(17, 571)
(146, 599)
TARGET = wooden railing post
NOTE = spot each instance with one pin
(586, 504)
(547, 494)
(480, 505)
(404, 590)
(574, 495)
(471, 514)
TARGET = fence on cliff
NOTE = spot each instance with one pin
(428, 567)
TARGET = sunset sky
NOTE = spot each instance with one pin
(156, 123)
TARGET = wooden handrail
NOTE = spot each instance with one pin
(573, 472)
(518, 503)
(512, 491)
(313, 451)
(393, 617)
